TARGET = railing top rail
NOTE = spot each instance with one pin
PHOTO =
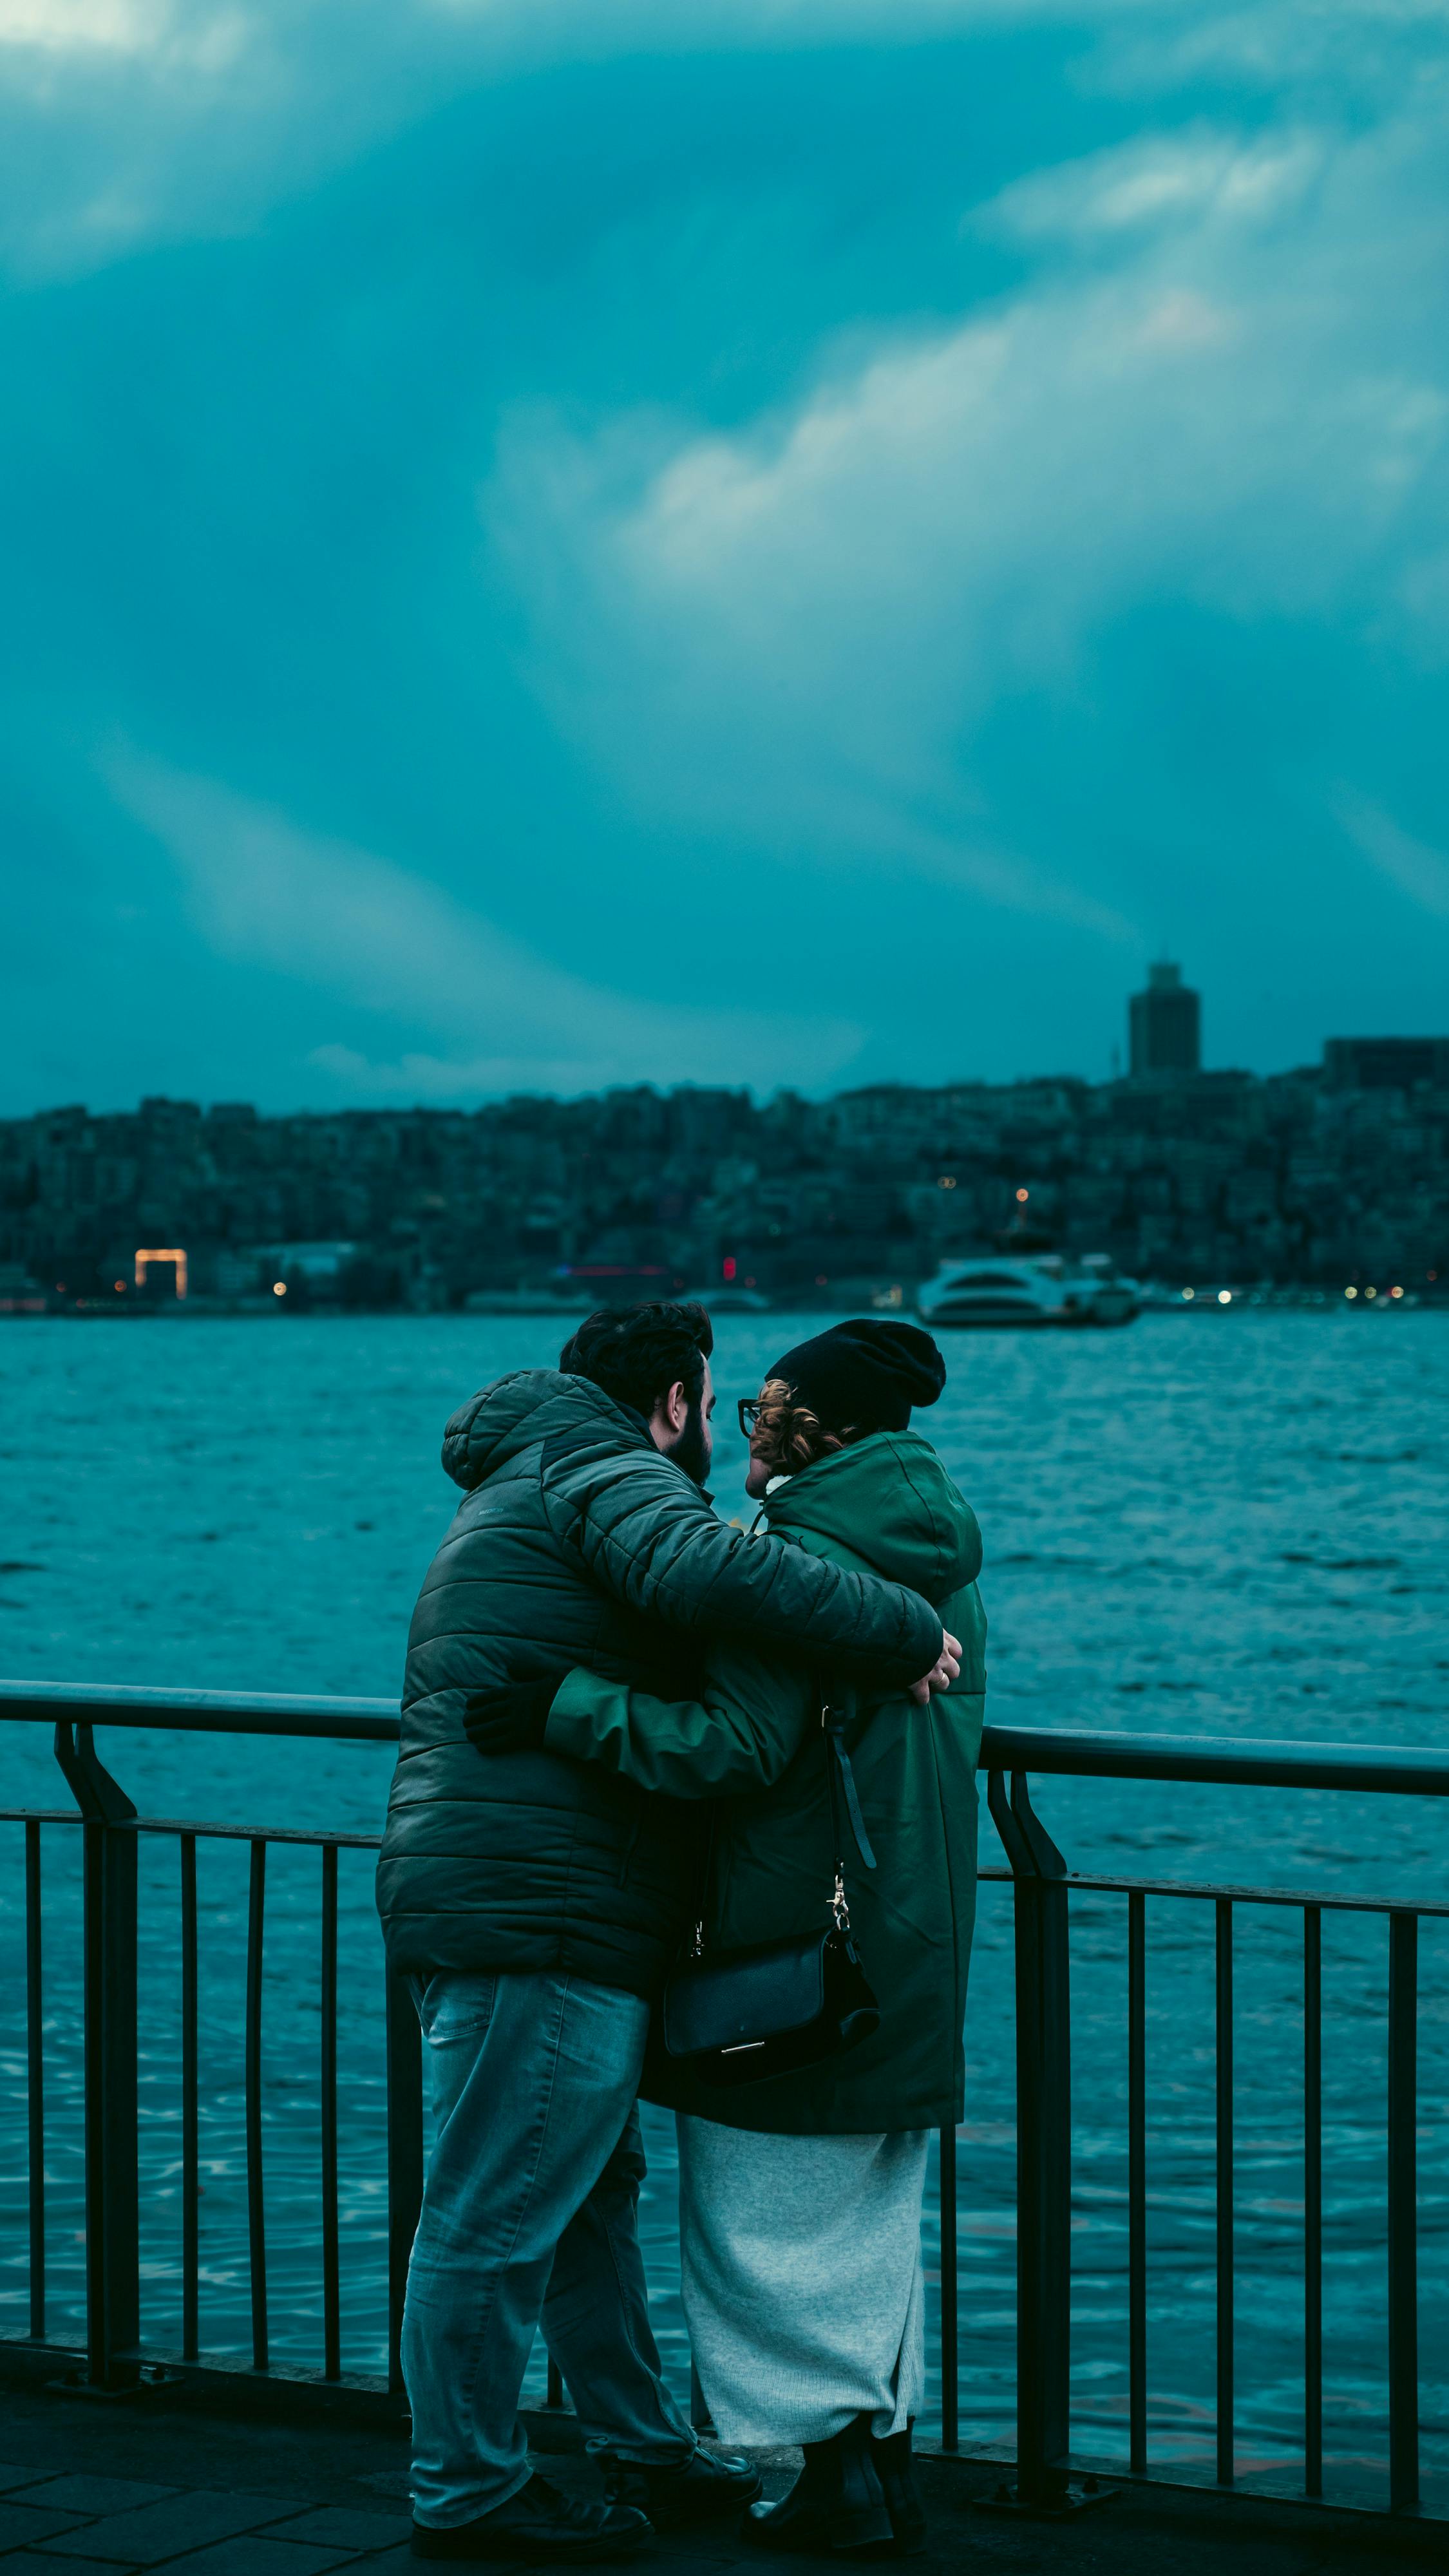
(1414, 1770)
(1250, 1762)
(206, 1712)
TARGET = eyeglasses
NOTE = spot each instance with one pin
(748, 1409)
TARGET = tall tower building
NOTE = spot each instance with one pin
(1165, 1024)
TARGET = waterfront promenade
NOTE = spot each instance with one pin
(96, 2488)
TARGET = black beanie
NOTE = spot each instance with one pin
(864, 1376)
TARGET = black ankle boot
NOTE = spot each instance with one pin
(896, 2470)
(836, 2503)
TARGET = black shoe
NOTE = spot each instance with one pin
(897, 2473)
(538, 2522)
(836, 2503)
(701, 2489)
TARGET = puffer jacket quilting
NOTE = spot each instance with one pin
(578, 1543)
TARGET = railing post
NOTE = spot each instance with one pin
(256, 2194)
(331, 2240)
(1043, 2158)
(1224, 2193)
(35, 2079)
(112, 2191)
(190, 2113)
(404, 2157)
(950, 2295)
(1312, 2200)
(1137, 2183)
(1403, 2213)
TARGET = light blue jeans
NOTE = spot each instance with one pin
(529, 2215)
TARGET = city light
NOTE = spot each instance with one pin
(279, 1287)
(1350, 1292)
(1225, 1296)
(727, 1266)
(1396, 1292)
(170, 1254)
(1021, 1197)
(1189, 1294)
(1371, 1292)
(945, 1182)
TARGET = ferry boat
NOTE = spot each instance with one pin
(1036, 1289)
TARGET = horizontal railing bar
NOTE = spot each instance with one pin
(1080, 1880)
(207, 1712)
(1083, 1883)
(208, 2366)
(1409, 1770)
(318, 1841)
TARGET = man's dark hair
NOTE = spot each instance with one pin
(637, 1353)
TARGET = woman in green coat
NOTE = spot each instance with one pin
(801, 2195)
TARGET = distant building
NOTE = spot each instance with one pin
(1385, 1064)
(320, 1264)
(1165, 1024)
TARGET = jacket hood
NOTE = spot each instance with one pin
(890, 1501)
(527, 1406)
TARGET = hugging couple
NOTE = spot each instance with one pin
(611, 1734)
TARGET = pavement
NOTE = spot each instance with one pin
(173, 2480)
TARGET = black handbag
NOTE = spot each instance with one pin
(736, 2016)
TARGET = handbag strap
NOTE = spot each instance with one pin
(836, 1709)
(696, 1947)
(837, 1706)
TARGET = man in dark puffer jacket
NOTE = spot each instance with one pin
(537, 1903)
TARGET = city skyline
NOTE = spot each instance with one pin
(1330, 1174)
(1160, 1038)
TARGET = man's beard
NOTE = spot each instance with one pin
(691, 1451)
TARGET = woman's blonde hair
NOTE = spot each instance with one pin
(790, 1436)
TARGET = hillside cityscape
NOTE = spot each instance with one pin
(1329, 1174)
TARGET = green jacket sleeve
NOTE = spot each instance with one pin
(740, 1734)
(644, 1532)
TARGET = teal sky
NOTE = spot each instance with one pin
(556, 542)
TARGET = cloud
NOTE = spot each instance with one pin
(161, 119)
(83, 26)
(1148, 186)
(486, 1077)
(1222, 385)
(391, 944)
(1418, 871)
(160, 38)
(125, 122)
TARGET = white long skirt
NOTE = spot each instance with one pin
(802, 2279)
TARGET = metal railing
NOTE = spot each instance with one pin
(1042, 1888)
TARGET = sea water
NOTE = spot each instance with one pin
(1228, 1524)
